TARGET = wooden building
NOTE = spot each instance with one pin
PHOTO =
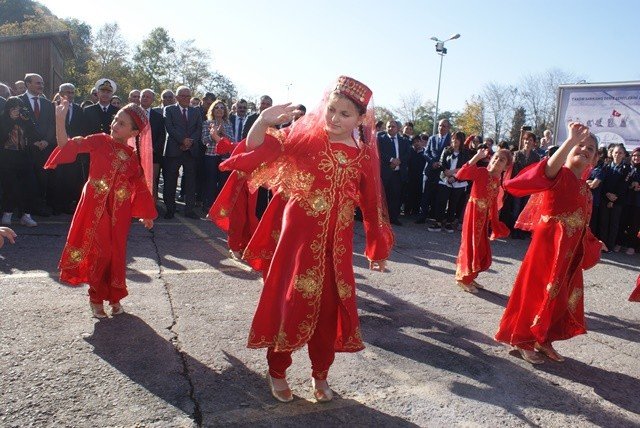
(42, 53)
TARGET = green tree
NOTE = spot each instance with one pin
(192, 66)
(384, 114)
(471, 119)
(222, 86)
(20, 11)
(110, 58)
(153, 61)
(77, 69)
(519, 119)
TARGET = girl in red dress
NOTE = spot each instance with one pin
(320, 169)
(546, 303)
(481, 212)
(95, 251)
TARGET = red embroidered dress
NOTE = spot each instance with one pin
(304, 241)
(95, 251)
(234, 210)
(547, 303)
(481, 212)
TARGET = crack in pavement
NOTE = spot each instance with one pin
(175, 340)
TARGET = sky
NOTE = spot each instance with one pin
(294, 50)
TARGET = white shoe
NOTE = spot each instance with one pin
(26, 220)
(630, 251)
(321, 390)
(6, 219)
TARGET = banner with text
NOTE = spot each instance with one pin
(611, 110)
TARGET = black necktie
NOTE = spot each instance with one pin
(239, 136)
(394, 140)
(104, 109)
(454, 157)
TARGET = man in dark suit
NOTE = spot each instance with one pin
(158, 134)
(98, 117)
(70, 178)
(394, 162)
(42, 114)
(265, 103)
(184, 136)
(432, 153)
(239, 120)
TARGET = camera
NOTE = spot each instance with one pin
(483, 146)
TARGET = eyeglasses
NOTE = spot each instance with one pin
(220, 107)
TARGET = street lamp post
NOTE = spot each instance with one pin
(442, 51)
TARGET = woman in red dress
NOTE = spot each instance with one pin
(95, 251)
(319, 174)
(547, 303)
(481, 212)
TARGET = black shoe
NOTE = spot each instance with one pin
(192, 215)
(169, 215)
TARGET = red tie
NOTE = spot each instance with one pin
(36, 108)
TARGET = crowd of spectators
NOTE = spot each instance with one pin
(185, 130)
(418, 171)
(430, 193)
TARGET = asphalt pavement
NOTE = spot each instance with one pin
(178, 357)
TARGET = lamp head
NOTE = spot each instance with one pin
(434, 38)
(455, 36)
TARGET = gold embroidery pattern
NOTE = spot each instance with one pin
(276, 235)
(316, 203)
(100, 186)
(122, 194)
(344, 290)
(354, 342)
(481, 203)
(122, 155)
(571, 221)
(574, 299)
(341, 157)
(223, 212)
(553, 288)
(75, 254)
(309, 284)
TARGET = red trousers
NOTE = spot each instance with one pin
(321, 345)
(467, 279)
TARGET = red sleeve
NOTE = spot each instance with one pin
(378, 233)
(244, 161)
(69, 152)
(468, 172)
(142, 203)
(531, 180)
(592, 249)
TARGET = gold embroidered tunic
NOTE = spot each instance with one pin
(304, 242)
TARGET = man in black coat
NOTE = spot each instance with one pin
(394, 162)
(70, 178)
(42, 114)
(98, 117)
(158, 134)
(432, 154)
